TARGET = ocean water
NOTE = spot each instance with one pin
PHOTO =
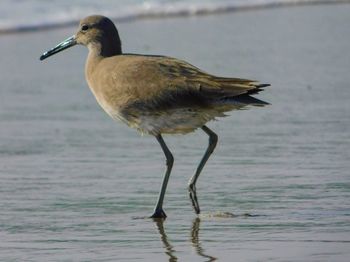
(29, 15)
(75, 185)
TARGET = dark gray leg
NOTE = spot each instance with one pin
(213, 139)
(158, 210)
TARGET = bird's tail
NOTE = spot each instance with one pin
(246, 98)
(249, 100)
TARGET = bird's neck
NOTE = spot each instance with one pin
(105, 48)
(99, 51)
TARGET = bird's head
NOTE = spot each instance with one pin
(96, 32)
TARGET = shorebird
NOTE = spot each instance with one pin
(156, 94)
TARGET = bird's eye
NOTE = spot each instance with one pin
(84, 28)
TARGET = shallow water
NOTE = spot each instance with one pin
(75, 186)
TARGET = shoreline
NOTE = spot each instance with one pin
(178, 13)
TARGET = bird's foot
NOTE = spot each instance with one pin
(158, 213)
(193, 197)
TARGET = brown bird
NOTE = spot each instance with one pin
(156, 94)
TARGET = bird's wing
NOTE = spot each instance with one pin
(207, 85)
(158, 82)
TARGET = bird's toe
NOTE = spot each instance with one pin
(193, 197)
(158, 213)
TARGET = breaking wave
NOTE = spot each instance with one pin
(32, 15)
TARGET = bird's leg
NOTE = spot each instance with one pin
(158, 210)
(213, 139)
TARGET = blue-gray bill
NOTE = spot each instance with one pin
(69, 42)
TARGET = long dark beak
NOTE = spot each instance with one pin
(58, 48)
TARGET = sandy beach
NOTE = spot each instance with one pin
(72, 180)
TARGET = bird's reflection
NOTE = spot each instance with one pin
(194, 238)
(169, 249)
